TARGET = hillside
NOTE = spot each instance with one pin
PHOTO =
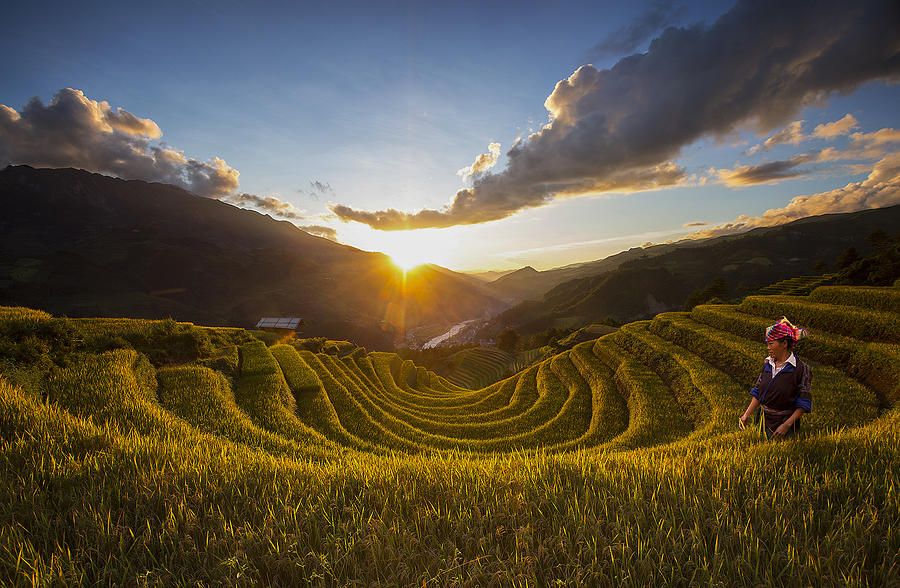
(528, 283)
(83, 244)
(664, 277)
(154, 451)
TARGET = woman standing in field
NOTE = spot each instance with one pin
(782, 389)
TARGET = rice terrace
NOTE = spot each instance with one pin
(614, 462)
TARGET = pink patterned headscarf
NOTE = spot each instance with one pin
(784, 328)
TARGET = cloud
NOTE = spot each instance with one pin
(627, 39)
(863, 146)
(695, 224)
(483, 162)
(619, 129)
(765, 173)
(881, 188)
(285, 210)
(878, 138)
(492, 200)
(75, 131)
(320, 187)
(792, 133)
(269, 204)
(321, 231)
(836, 128)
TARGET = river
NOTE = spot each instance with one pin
(454, 331)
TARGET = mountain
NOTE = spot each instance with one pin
(83, 244)
(663, 277)
(488, 276)
(528, 283)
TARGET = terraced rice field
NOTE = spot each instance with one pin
(798, 286)
(614, 463)
(479, 367)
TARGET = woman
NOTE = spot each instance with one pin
(782, 389)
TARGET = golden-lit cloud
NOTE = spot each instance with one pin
(320, 231)
(878, 138)
(836, 128)
(695, 224)
(881, 188)
(622, 128)
(483, 162)
(863, 146)
(791, 134)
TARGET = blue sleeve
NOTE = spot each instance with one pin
(755, 392)
(804, 397)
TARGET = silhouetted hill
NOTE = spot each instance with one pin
(83, 244)
(528, 283)
(663, 277)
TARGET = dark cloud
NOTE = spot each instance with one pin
(627, 39)
(773, 171)
(619, 129)
(317, 189)
(493, 198)
(320, 187)
(75, 131)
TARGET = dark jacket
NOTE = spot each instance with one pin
(787, 390)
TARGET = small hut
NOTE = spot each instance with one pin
(282, 325)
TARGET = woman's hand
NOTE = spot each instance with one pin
(782, 430)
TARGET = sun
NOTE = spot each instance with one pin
(410, 249)
(407, 260)
(407, 249)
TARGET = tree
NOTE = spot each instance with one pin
(879, 239)
(847, 258)
(717, 289)
(508, 339)
(881, 269)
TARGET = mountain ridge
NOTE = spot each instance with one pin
(662, 280)
(84, 244)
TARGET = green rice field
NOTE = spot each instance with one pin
(159, 453)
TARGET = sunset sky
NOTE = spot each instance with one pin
(506, 134)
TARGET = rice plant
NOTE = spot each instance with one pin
(614, 463)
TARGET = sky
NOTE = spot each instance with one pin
(475, 135)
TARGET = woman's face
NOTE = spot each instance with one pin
(776, 348)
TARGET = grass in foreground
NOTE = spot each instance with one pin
(82, 502)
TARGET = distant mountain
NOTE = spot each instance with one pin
(528, 283)
(646, 282)
(488, 276)
(83, 244)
